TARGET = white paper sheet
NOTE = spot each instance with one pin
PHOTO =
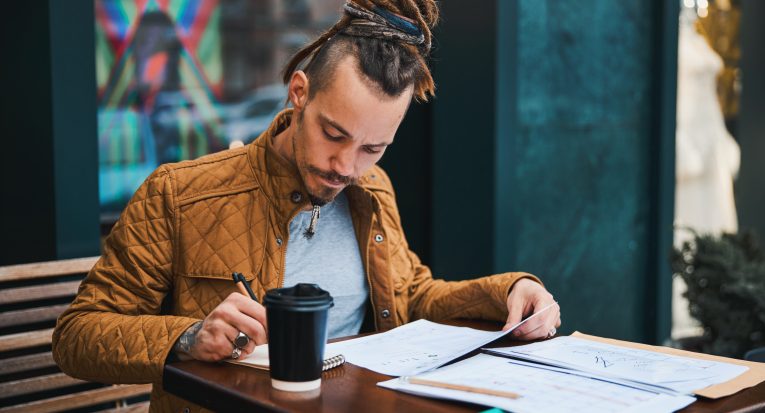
(416, 347)
(412, 348)
(681, 374)
(542, 389)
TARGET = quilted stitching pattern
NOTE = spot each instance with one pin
(192, 224)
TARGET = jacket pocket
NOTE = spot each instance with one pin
(196, 295)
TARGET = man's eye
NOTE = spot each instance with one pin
(371, 150)
(333, 138)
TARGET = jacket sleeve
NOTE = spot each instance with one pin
(480, 298)
(113, 331)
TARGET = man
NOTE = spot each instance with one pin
(304, 202)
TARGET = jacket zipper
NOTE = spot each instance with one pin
(285, 240)
(366, 271)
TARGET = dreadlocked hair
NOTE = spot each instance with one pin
(391, 65)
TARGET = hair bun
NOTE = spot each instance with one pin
(423, 12)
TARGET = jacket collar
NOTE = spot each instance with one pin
(277, 177)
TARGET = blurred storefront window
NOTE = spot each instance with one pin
(178, 79)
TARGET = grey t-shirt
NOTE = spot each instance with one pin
(332, 260)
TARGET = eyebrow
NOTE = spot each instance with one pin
(342, 130)
(335, 125)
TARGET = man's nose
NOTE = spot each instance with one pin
(343, 162)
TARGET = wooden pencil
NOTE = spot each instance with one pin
(240, 286)
(462, 387)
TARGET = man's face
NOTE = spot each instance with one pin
(344, 130)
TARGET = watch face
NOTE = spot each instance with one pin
(241, 340)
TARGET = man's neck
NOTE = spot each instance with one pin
(283, 143)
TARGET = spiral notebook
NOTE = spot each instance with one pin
(259, 359)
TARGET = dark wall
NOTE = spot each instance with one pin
(463, 116)
(584, 162)
(49, 169)
(750, 186)
(26, 221)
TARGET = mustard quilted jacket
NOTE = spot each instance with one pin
(168, 262)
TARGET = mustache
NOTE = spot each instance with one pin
(332, 176)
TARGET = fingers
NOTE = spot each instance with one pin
(515, 312)
(252, 308)
(244, 323)
(540, 326)
(248, 316)
(235, 314)
(527, 298)
(532, 328)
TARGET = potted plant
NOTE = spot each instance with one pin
(726, 290)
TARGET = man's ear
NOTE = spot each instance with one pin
(297, 91)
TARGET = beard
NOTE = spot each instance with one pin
(324, 194)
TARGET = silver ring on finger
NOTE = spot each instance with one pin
(241, 340)
(236, 353)
(552, 332)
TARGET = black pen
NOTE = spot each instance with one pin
(243, 286)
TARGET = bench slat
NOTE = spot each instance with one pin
(26, 340)
(31, 315)
(46, 269)
(25, 363)
(111, 396)
(86, 398)
(38, 292)
(35, 384)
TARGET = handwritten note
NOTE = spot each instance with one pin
(681, 374)
(412, 348)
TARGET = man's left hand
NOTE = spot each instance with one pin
(526, 298)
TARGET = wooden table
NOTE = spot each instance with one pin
(227, 388)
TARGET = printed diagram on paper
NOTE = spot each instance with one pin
(683, 374)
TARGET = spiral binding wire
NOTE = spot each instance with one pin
(333, 362)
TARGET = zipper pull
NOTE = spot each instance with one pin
(311, 230)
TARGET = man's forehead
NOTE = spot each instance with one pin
(354, 107)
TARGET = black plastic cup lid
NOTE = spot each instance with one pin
(300, 297)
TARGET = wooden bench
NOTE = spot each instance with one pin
(32, 296)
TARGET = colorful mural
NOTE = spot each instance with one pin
(178, 79)
(159, 76)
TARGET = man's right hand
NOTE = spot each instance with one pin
(212, 339)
